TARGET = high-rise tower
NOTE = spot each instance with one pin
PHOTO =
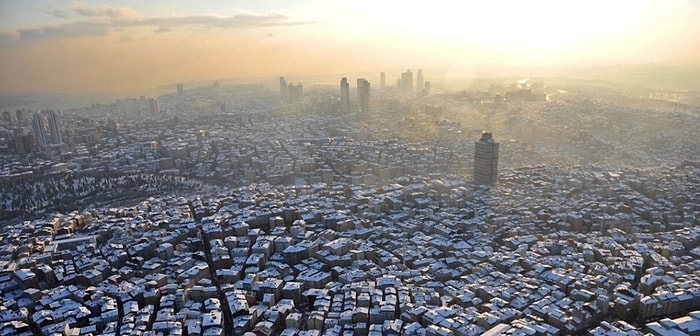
(419, 81)
(407, 81)
(382, 81)
(486, 160)
(344, 95)
(154, 105)
(284, 90)
(363, 93)
(295, 92)
(39, 131)
(55, 128)
(20, 116)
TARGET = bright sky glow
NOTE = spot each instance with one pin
(104, 46)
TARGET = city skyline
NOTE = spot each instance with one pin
(108, 46)
(559, 206)
(308, 168)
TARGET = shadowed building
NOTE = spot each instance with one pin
(284, 89)
(363, 95)
(345, 95)
(486, 160)
(54, 127)
(40, 131)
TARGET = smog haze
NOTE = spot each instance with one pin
(72, 47)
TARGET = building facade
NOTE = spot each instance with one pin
(363, 92)
(419, 81)
(39, 130)
(344, 95)
(486, 160)
(55, 128)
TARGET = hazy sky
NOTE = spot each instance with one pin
(107, 46)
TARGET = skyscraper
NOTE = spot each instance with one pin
(382, 81)
(154, 105)
(486, 160)
(407, 81)
(363, 95)
(344, 95)
(55, 128)
(419, 81)
(39, 131)
(284, 90)
(295, 92)
(180, 89)
(20, 116)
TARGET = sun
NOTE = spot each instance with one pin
(529, 30)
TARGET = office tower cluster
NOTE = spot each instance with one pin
(405, 84)
(363, 102)
(486, 160)
(44, 135)
(290, 93)
(137, 107)
(363, 95)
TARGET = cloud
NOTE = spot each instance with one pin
(56, 13)
(76, 29)
(103, 26)
(83, 9)
(161, 30)
(211, 21)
